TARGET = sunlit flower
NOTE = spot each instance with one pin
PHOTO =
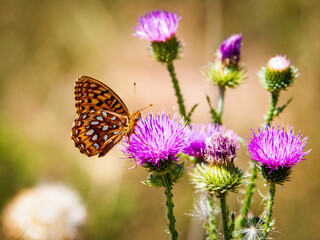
(277, 147)
(157, 138)
(230, 49)
(49, 211)
(157, 25)
(278, 74)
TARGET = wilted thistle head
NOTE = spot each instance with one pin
(230, 50)
(277, 150)
(220, 175)
(220, 149)
(199, 132)
(157, 140)
(49, 211)
(279, 74)
(159, 27)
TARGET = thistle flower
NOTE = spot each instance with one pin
(48, 211)
(225, 71)
(199, 132)
(157, 139)
(277, 150)
(159, 27)
(278, 75)
(220, 149)
(230, 49)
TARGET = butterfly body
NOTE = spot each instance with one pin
(103, 118)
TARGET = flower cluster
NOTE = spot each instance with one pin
(230, 49)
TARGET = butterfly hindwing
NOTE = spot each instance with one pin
(93, 94)
(97, 131)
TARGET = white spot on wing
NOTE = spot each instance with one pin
(105, 128)
(76, 132)
(93, 85)
(104, 114)
(114, 126)
(105, 137)
(116, 132)
(84, 116)
(94, 123)
(90, 132)
(113, 118)
(99, 118)
(79, 123)
(120, 123)
(96, 145)
(95, 137)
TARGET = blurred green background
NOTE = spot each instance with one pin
(45, 45)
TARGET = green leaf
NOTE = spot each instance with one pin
(191, 111)
(213, 113)
(278, 110)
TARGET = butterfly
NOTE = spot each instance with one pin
(102, 117)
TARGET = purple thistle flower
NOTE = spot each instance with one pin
(230, 49)
(156, 138)
(275, 148)
(220, 148)
(157, 25)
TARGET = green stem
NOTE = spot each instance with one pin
(225, 216)
(272, 107)
(249, 193)
(222, 90)
(175, 82)
(212, 224)
(167, 183)
(269, 206)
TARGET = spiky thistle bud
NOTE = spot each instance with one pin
(278, 74)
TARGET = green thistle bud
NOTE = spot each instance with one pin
(226, 76)
(278, 75)
(276, 176)
(217, 179)
(165, 51)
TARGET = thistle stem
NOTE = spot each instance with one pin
(272, 107)
(222, 90)
(212, 224)
(176, 87)
(269, 207)
(225, 216)
(249, 193)
(167, 183)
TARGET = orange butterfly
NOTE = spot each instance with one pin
(103, 118)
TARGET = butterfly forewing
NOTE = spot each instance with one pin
(97, 131)
(103, 119)
(93, 94)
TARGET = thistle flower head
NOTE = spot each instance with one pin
(278, 75)
(277, 147)
(49, 211)
(230, 49)
(220, 149)
(157, 26)
(157, 139)
(199, 132)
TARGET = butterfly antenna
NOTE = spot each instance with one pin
(145, 107)
(135, 95)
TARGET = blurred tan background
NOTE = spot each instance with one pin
(45, 45)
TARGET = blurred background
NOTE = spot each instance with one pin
(45, 45)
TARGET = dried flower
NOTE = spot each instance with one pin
(230, 49)
(49, 211)
(199, 132)
(157, 25)
(220, 149)
(157, 139)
